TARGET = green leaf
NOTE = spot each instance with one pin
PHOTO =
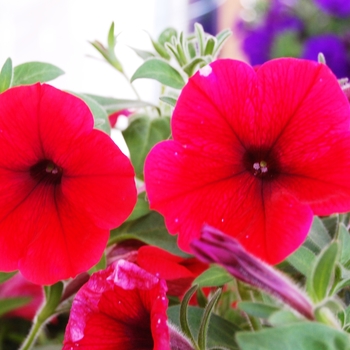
(149, 229)
(185, 328)
(319, 234)
(286, 44)
(161, 50)
(200, 35)
(169, 100)
(9, 304)
(4, 276)
(6, 75)
(221, 39)
(344, 238)
(257, 309)
(322, 272)
(98, 112)
(191, 67)
(141, 208)
(220, 333)
(300, 336)
(209, 46)
(142, 53)
(112, 105)
(203, 327)
(283, 317)
(160, 70)
(34, 72)
(302, 260)
(166, 35)
(215, 276)
(141, 135)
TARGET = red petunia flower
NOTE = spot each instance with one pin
(178, 272)
(63, 185)
(18, 286)
(121, 307)
(255, 154)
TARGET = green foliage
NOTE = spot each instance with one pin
(6, 75)
(141, 135)
(159, 70)
(34, 72)
(9, 304)
(215, 276)
(301, 336)
(149, 229)
(220, 331)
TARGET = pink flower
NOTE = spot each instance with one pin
(255, 154)
(18, 286)
(113, 118)
(63, 185)
(122, 307)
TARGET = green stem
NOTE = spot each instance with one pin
(33, 334)
(132, 86)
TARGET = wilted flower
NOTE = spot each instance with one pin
(255, 154)
(216, 247)
(121, 307)
(63, 185)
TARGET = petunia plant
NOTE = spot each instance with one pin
(225, 227)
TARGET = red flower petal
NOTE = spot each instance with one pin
(63, 185)
(120, 307)
(246, 152)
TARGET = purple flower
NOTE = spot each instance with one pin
(339, 8)
(332, 48)
(217, 247)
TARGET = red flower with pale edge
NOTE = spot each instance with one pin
(121, 307)
(178, 272)
(63, 185)
(255, 153)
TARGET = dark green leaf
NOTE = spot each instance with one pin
(141, 208)
(9, 304)
(322, 272)
(300, 336)
(6, 75)
(112, 105)
(34, 72)
(169, 100)
(149, 229)
(209, 46)
(4, 276)
(220, 332)
(190, 68)
(215, 276)
(257, 309)
(161, 71)
(141, 135)
(99, 113)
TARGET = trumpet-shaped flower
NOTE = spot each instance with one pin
(121, 307)
(255, 154)
(63, 185)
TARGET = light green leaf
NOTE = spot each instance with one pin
(302, 260)
(169, 100)
(322, 272)
(215, 276)
(34, 72)
(112, 105)
(141, 135)
(149, 229)
(220, 333)
(6, 75)
(159, 70)
(300, 336)
(344, 238)
(99, 113)
(319, 234)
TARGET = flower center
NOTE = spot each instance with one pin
(261, 163)
(47, 172)
(260, 168)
